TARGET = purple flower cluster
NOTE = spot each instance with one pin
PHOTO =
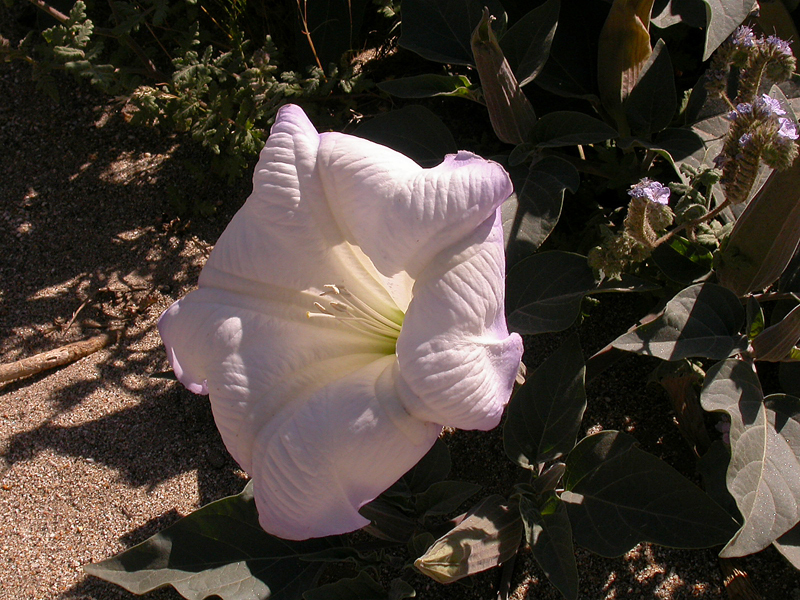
(652, 190)
(743, 37)
(778, 45)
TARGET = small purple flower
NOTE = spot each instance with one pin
(724, 427)
(743, 108)
(652, 190)
(745, 139)
(744, 37)
(788, 130)
(771, 106)
(779, 45)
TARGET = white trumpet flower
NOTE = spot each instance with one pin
(353, 307)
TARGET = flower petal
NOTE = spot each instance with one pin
(254, 357)
(318, 462)
(400, 214)
(457, 361)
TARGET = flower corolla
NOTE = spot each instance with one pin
(652, 190)
(787, 130)
(352, 307)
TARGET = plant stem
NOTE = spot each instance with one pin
(691, 224)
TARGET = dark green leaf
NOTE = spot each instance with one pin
(526, 44)
(487, 537)
(618, 496)
(702, 320)
(548, 531)
(651, 104)
(690, 12)
(445, 497)
(570, 128)
(723, 16)
(764, 472)
(440, 30)
(789, 545)
(755, 318)
(713, 467)
(413, 130)
(789, 375)
(433, 467)
(387, 521)
(775, 343)
(544, 415)
(531, 217)
(683, 261)
(361, 587)
(544, 291)
(219, 549)
(571, 69)
(429, 85)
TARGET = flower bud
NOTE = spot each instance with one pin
(510, 112)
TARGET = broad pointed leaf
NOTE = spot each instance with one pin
(530, 219)
(764, 472)
(776, 342)
(570, 128)
(545, 291)
(361, 587)
(413, 130)
(440, 30)
(618, 496)
(220, 550)
(429, 85)
(683, 261)
(549, 534)
(544, 415)
(789, 545)
(445, 497)
(722, 17)
(651, 104)
(526, 44)
(488, 536)
(702, 320)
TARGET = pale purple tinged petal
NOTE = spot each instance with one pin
(457, 361)
(400, 214)
(336, 451)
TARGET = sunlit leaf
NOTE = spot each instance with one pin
(701, 320)
(690, 12)
(789, 545)
(549, 534)
(220, 550)
(526, 44)
(545, 414)
(775, 343)
(761, 246)
(722, 17)
(764, 472)
(487, 537)
(618, 496)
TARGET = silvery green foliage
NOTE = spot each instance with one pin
(166, 69)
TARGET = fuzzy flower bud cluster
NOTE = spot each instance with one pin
(760, 131)
(754, 60)
(649, 214)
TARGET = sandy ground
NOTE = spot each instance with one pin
(99, 455)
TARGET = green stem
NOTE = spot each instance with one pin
(691, 224)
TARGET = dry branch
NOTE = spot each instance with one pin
(54, 358)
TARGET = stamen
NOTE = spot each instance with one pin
(355, 313)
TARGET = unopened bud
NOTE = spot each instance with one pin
(510, 112)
